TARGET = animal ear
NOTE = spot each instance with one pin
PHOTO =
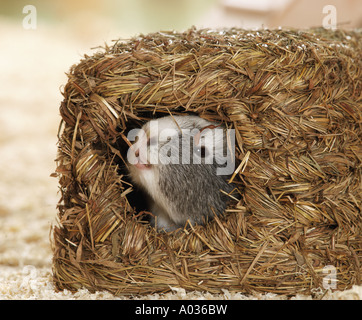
(198, 135)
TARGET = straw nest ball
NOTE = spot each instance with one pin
(294, 99)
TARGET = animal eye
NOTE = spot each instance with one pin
(152, 141)
(201, 151)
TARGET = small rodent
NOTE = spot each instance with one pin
(175, 161)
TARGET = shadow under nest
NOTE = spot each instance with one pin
(294, 100)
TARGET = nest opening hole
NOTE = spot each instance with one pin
(138, 198)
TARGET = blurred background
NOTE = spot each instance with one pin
(40, 40)
(112, 18)
(95, 20)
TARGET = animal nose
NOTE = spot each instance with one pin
(137, 153)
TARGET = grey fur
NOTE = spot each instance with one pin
(193, 191)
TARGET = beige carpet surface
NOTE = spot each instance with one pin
(32, 64)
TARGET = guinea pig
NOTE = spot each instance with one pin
(183, 164)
